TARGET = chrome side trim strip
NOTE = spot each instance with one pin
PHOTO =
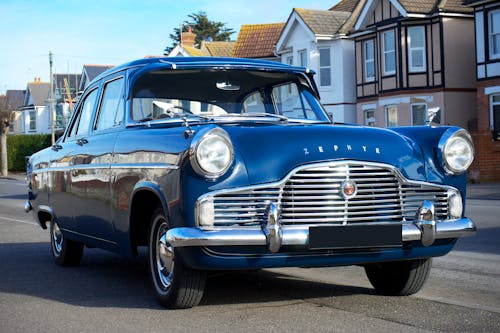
(108, 166)
(297, 235)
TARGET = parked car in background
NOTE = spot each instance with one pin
(222, 164)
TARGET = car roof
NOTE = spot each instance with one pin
(208, 63)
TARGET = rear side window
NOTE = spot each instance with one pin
(111, 111)
(82, 123)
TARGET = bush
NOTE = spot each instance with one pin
(21, 145)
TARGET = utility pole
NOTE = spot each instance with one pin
(52, 104)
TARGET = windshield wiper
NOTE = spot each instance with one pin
(257, 115)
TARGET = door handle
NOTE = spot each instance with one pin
(82, 142)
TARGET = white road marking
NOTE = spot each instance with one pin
(16, 220)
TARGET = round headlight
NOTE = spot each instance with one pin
(457, 151)
(212, 154)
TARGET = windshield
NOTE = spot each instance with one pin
(223, 94)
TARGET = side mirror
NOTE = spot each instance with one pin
(433, 116)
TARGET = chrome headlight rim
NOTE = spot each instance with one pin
(204, 136)
(450, 135)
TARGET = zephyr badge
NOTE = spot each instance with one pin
(348, 189)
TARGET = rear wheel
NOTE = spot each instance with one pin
(66, 252)
(399, 278)
(174, 285)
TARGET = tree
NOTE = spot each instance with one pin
(204, 29)
(5, 119)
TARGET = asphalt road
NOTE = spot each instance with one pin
(110, 294)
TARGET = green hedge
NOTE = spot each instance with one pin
(21, 145)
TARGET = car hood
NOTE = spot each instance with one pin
(269, 152)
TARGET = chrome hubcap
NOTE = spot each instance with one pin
(57, 236)
(164, 257)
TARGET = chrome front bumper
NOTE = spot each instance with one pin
(299, 235)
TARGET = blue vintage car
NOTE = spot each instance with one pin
(222, 164)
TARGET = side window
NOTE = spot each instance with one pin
(81, 126)
(291, 103)
(111, 109)
(254, 103)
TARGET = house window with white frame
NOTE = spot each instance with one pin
(302, 58)
(495, 116)
(289, 60)
(494, 33)
(325, 67)
(370, 117)
(418, 114)
(369, 60)
(32, 121)
(389, 50)
(391, 115)
(416, 49)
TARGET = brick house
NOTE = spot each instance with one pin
(412, 56)
(486, 131)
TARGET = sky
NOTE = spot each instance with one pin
(110, 32)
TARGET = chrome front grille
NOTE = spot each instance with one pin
(312, 195)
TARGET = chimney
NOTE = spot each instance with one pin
(187, 38)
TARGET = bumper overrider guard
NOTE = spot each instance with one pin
(274, 235)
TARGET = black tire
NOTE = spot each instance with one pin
(175, 286)
(66, 252)
(400, 278)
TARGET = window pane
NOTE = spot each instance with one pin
(496, 98)
(291, 103)
(325, 77)
(111, 113)
(86, 114)
(254, 103)
(495, 22)
(32, 120)
(392, 116)
(416, 37)
(370, 69)
(496, 122)
(417, 58)
(368, 50)
(419, 112)
(390, 62)
(389, 41)
(324, 57)
(303, 58)
(370, 117)
(495, 40)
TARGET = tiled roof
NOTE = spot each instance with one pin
(434, 6)
(345, 6)
(39, 92)
(15, 98)
(94, 70)
(195, 52)
(323, 22)
(219, 49)
(257, 40)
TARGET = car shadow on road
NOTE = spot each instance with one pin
(108, 280)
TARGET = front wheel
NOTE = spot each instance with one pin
(400, 278)
(175, 285)
(66, 252)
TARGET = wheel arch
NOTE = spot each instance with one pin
(145, 198)
(44, 215)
